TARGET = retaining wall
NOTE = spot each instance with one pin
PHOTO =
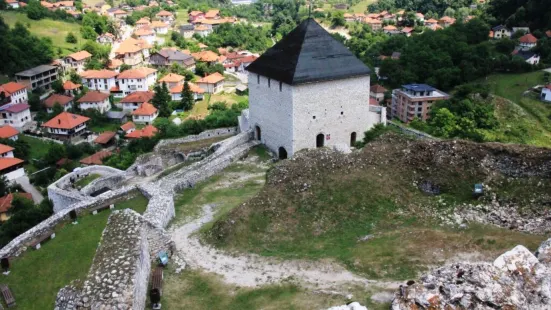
(207, 134)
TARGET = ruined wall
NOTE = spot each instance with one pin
(112, 182)
(207, 134)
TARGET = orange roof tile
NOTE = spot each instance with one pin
(98, 74)
(144, 31)
(164, 13)
(8, 131)
(201, 28)
(195, 13)
(378, 89)
(105, 137)
(143, 20)
(69, 85)
(138, 73)
(127, 126)
(145, 108)
(172, 78)
(66, 120)
(212, 13)
(5, 202)
(206, 56)
(132, 45)
(78, 56)
(193, 87)
(548, 33)
(528, 38)
(138, 96)
(5, 148)
(389, 27)
(93, 96)
(147, 132)
(212, 79)
(57, 98)
(114, 63)
(158, 24)
(96, 159)
(11, 87)
(431, 21)
(7, 162)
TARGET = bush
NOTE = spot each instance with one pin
(71, 38)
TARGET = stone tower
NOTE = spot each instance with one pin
(309, 91)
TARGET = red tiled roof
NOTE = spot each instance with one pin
(8, 131)
(528, 38)
(16, 108)
(5, 148)
(212, 13)
(138, 96)
(69, 85)
(172, 78)
(147, 132)
(193, 87)
(80, 55)
(57, 98)
(378, 89)
(11, 87)
(93, 96)
(212, 79)
(66, 120)
(373, 101)
(207, 56)
(145, 108)
(128, 126)
(105, 137)
(548, 33)
(5, 202)
(7, 162)
(98, 74)
(96, 159)
(138, 73)
(164, 13)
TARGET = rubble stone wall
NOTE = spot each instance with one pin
(207, 134)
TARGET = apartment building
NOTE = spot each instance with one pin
(414, 101)
(38, 77)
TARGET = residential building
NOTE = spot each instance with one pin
(147, 34)
(527, 41)
(66, 126)
(133, 52)
(546, 93)
(159, 27)
(414, 101)
(70, 88)
(14, 4)
(375, 24)
(528, 56)
(106, 38)
(212, 14)
(377, 92)
(128, 127)
(431, 22)
(143, 22)
(96, 158)
(11, 168)
(169, 56)
(13, 93)
(172, 79)
(206, 56)
(95, 100)
(203, 30)
(446, 21)
(105, 138)
(115, 64)
(242, 2)
(132, 80)
(148, 131)
(17, 115)
(176, 92)
(187, 31)
(6, 204)
(100, 80)
(118, 117)
(145, 114)
(296, 91)
(38, 77)
(501, 32)
(76, 60)
(212, 84)
(349, 17)
(420, 17)
(391, 30)
(132, 101)
(407, 31)
(165, 16)
(239, 64)
(8, 132)
(6, 151)
(65, 101)
(196, 16)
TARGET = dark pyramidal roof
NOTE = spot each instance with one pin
(308, 54)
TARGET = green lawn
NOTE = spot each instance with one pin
(38, 148)
(86, 180)
(99, 128)
(361, 7)
(53, 29)
(37, 275)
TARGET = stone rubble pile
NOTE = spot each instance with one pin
(517, 279)
(351, 306)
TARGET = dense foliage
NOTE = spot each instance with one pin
(243, 36)
(24, 215)
(535, 14)
(21, 50)
(437, 7)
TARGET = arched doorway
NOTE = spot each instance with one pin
(258, 133)
(353, 138)
(320, 140)
(282, 153)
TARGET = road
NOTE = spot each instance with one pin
(29, 188)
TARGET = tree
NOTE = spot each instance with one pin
(57, 86)
(124, 67)
(161, 100)
(338, 19)
(71, 38)
(35, 10)
(34, 102)
(88, 33)
(55, 153)
(444, 123)
(187, 100)
(56, 110)
(4, 186)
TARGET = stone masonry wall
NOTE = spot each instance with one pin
(207, 134)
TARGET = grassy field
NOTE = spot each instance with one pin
(38, 148)
(105, 127)
(86, 180)
(361, 7)
(53, 29)
(37, 275)
(200, 109)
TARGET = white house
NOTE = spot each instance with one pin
(16, 115)
(203, 30)
(10, 167)
(212, 84)
(100, 80)
(65, 101)
(147, 34)
(132, 101)
(6, 151)
(145, 114)
(95, 100)
(527, 41)
(106, 38)
(14, 4)
(159, 27)
(133, 52)
(66, 125)
(165, 16)
(309, 91)
(176, 92)
(528, 56)
(14, 93)
(139, 79)
(501, 32)
(546, 93)
(8, 132)
(77, 60)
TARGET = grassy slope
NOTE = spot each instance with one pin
(533, 125)
(53, 29)
(368, 193)
(361, 7)
(87, 180)
(36, 276)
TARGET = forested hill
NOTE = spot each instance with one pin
(535, 14)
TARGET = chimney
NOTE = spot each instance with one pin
(59, 121)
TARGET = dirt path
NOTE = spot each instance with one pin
(253, 270)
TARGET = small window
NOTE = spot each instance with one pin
(314, 117)
(342, 113)
(258, 79)
(269, 80)
(280, 86)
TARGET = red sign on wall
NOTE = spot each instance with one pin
(328, 137)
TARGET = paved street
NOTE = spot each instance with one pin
(29, 188)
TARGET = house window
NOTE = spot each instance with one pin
(280, 86)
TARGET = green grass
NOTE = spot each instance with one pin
(38, 149)
(361, 7)
(174, 168)
(37, 275)
(47, 28)
(87, 180)
(99, 128)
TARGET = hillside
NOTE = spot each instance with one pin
(54, 29)
(371, 211)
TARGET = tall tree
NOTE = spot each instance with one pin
(187, 100)
(161, 100)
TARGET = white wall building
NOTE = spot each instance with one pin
(139, 79)
(14, 92)
(76, 61)
(100, 80)
(95, 100)
(16, 115)
(309, 91)
(546, 93)
(145, 114)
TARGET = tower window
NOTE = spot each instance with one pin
(314, 117)
(280, 86)
(342, 113)
(269, 82)
(258, 79)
